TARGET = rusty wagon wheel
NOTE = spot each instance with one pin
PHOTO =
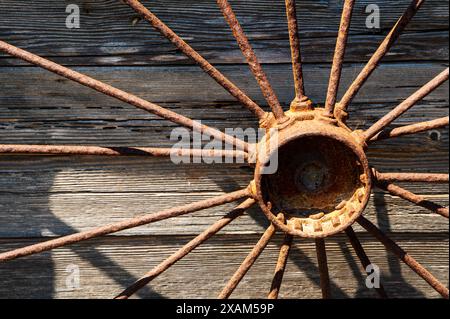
(323, 181)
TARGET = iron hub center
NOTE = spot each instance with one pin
(322, 181)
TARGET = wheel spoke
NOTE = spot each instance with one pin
(404, 256)
(119, 94)
(412, 129)
(413, 198)
(252, 60)
(360, 252)
(280, 267)
(323, 268)
(118, 151)
(410, 177)
(248, 263)
(406, 105)
(186, 249)
(338, 59)
(379, 54)
(196, 57)
(127, 224)
(301, 101)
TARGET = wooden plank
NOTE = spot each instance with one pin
(188, 84)
(66, 213)
(412, 46)
(65, 175)
(63, 112)
(111, 35)
(106, 266)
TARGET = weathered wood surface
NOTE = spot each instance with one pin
(107, 265)
(41, 197)
(63, 112)
(111, 35)
(59, 196)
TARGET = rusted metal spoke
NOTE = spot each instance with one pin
(379, 54)
(186, 249)
(127, 224)
(196, 57)
(252, 60)
(119, 151)
(338, 59)
(280, 267)
(323, 268)
(294, 39)
(404, 256)
(413, 198)
(248, 263)
(119, 94)
(412, 129)
(360, 252)
(410, 177)
(406, 105)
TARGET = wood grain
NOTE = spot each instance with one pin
(66, 113)
(108, 264)
(46, 196)
(110, 34)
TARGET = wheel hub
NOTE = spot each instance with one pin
(322, 182)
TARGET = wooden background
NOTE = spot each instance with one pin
(43, 197)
